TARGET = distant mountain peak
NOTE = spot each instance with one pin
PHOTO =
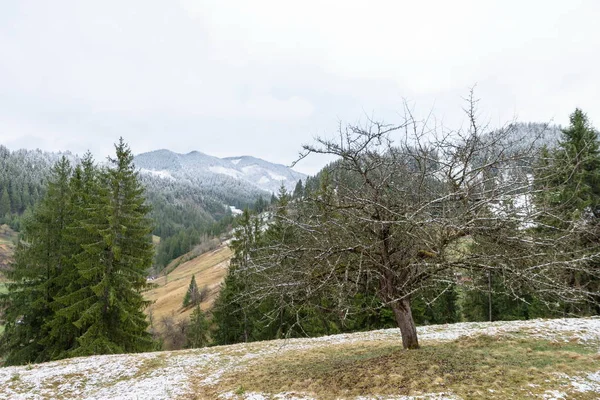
(199, 167)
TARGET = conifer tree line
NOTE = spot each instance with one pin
(184, 215)
(448, 226)
(80, 266)
(22, 183)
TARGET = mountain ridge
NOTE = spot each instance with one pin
(198, 167)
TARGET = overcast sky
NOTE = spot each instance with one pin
(263, 77)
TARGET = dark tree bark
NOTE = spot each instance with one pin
(406, 323)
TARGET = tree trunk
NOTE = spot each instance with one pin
(405, 322)
(490, 296)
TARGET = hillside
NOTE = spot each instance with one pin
(7, 245)
(544, 359)
(209, 268)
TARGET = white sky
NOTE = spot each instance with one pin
(263, 77)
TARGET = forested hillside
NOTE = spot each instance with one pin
(183, 210)
(237, 181)
(23, 176)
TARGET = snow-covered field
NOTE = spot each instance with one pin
(179, 374)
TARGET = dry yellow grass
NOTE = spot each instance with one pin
(490, 367)
(7, 247)
(535, 359)
(210, 269)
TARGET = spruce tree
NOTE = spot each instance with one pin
(16, 189)
(113, 269)
(580, 155)
(68, 305)
(230, 313)
(232, 316)
(198, 329)
(570, 176)
(41, 256)
(570, 186)
(192, 295)
(298, 190)
(4, 203)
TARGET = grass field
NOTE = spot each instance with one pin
(479, 367)
(536, 359)
(210, 270)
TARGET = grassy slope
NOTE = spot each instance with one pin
(517, 360)
(3, 290)
(7, 246)
(210, 270)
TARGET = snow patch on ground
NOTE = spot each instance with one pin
(236, 161)
(159, 174)
(172, 375)
(428, 396)
(263, 180)
(554, 395)
(588, 383)
(225, 171)
(251, 169)
(235, 210)
(297, 396)
(103, 377)
(277, 177)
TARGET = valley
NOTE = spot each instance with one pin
(291, 201)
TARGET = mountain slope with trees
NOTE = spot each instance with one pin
(188, 209)
(237, 180)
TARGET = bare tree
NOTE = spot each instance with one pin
(174, 332)
(406, 208)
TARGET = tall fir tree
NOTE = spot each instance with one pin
(69, 302)
(41, 257)
(231, 314)
(192, 295)
(114, 268)
(4, 203)
(581, 153)
(570, 173)
(298, 190)
(198, 330)
(570, 192)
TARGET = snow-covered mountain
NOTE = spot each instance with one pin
(200, 168)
